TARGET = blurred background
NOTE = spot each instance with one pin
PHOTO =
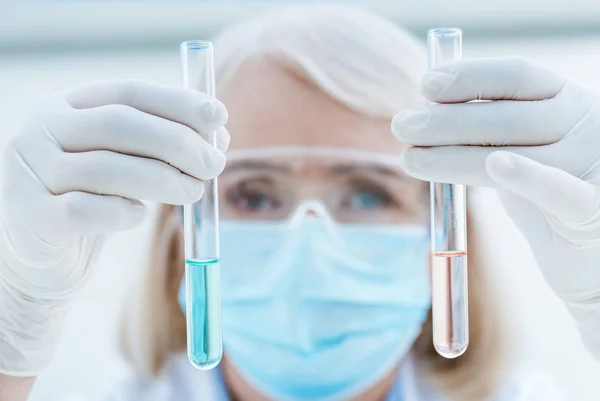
(47, 46)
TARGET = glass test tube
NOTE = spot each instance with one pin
(448, 232)
(201, 233)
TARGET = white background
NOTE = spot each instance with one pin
(543, 335)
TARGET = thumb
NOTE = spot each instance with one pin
(556, 192)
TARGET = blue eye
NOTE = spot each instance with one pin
(253, 201)
(252, 197)
(366, 196)
(366, 200)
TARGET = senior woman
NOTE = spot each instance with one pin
(325, 272)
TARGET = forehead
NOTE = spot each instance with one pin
(271, 105)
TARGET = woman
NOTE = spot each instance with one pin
(310, 179)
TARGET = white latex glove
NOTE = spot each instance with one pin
(538, 143)
(76, 172)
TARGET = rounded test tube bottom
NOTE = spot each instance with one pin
(450, 303)
(203, 310)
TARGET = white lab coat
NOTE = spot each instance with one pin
(181, 382)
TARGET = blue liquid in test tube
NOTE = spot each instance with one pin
(201, 233)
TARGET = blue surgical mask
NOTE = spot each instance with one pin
(313, 315)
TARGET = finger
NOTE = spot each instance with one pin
(90, 214)
(127, 130)
(493, 123)
(451, 164)
(467, 164)
(30, 207)
(556, 192)
(25, 201)
(109, 173)
(223, 139)
(197, 110)
(510, 78)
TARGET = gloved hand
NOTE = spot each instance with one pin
(538, 143)
(74, 174)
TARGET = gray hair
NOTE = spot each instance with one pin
(361, 60)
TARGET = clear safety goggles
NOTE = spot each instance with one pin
(342, 185)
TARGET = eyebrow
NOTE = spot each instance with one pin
(256, 165)
(369, 168)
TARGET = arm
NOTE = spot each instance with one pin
(15, 388)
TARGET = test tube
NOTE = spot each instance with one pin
(201, 233)
(448, 232)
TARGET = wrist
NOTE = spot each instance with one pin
(29, 332)
(15, 388)
(587, 318)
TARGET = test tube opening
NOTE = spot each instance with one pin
(197, 66)
(444, 32)
(443, 46)
(197, 45)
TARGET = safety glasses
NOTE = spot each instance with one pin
(345, 185)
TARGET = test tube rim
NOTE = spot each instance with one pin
(197, 45)
(444, 32)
